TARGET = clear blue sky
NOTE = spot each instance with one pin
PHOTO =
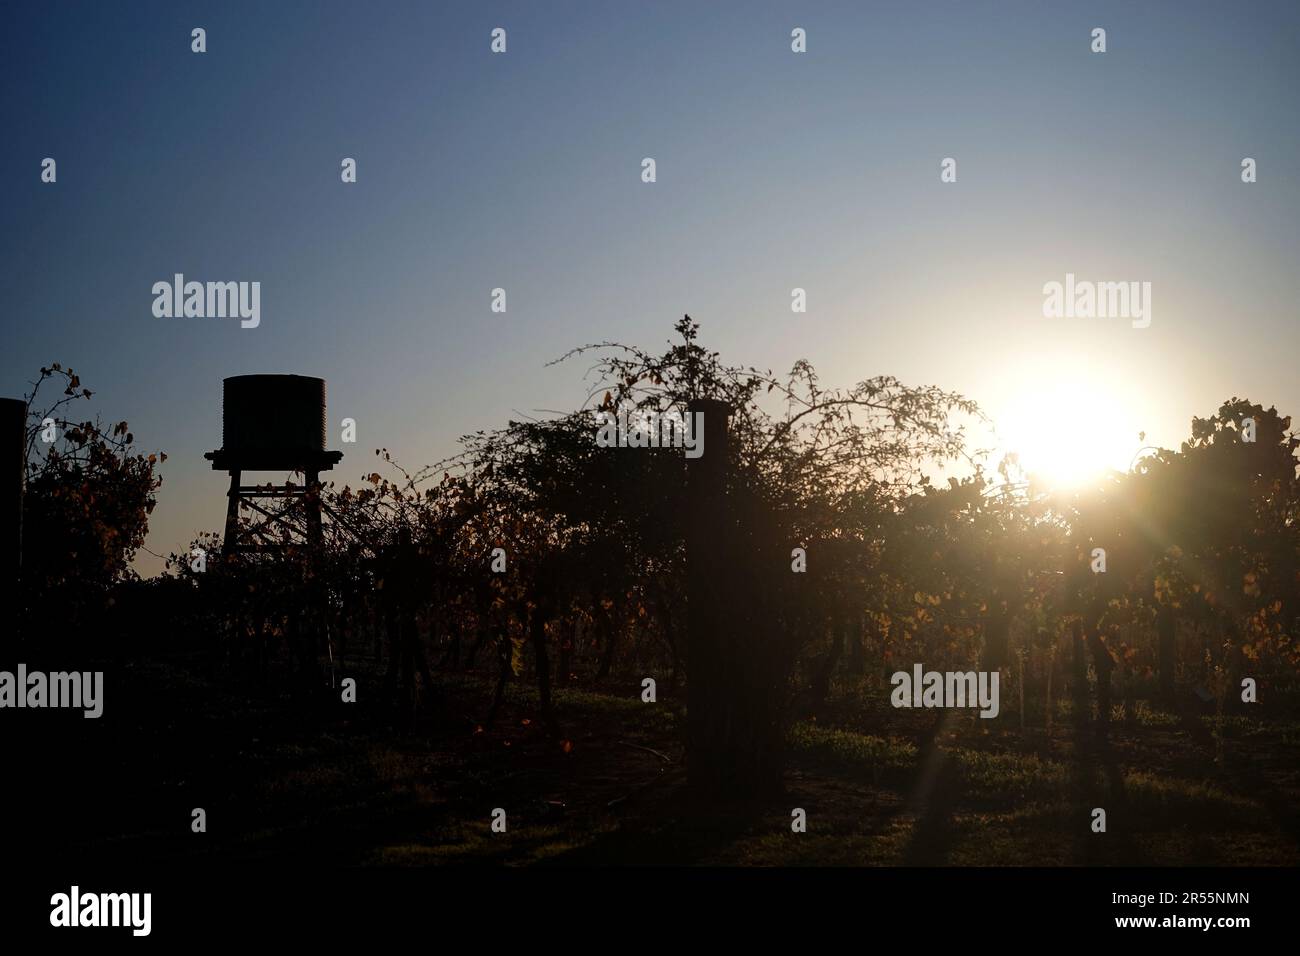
(775, 170)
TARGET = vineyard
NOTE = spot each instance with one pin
(643, 656)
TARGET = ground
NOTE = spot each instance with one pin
(338, 783)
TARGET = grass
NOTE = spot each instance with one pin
(476, 844)
(879, 787)
(1144, 715)
(1168, 800)
(878, 757)
(1015, 775)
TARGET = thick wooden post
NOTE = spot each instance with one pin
(1079, 675)
(1167, 631)
(710, 594)
(13, 471)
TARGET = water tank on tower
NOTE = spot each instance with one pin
(272, 423)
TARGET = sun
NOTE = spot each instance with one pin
(1067, 429)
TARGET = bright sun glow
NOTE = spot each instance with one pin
(1068, 429)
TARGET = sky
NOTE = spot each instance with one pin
(775, 170)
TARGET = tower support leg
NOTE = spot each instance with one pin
(232, 514)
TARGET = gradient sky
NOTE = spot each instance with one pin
(775, 170)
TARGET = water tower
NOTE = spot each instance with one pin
(272, 423)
